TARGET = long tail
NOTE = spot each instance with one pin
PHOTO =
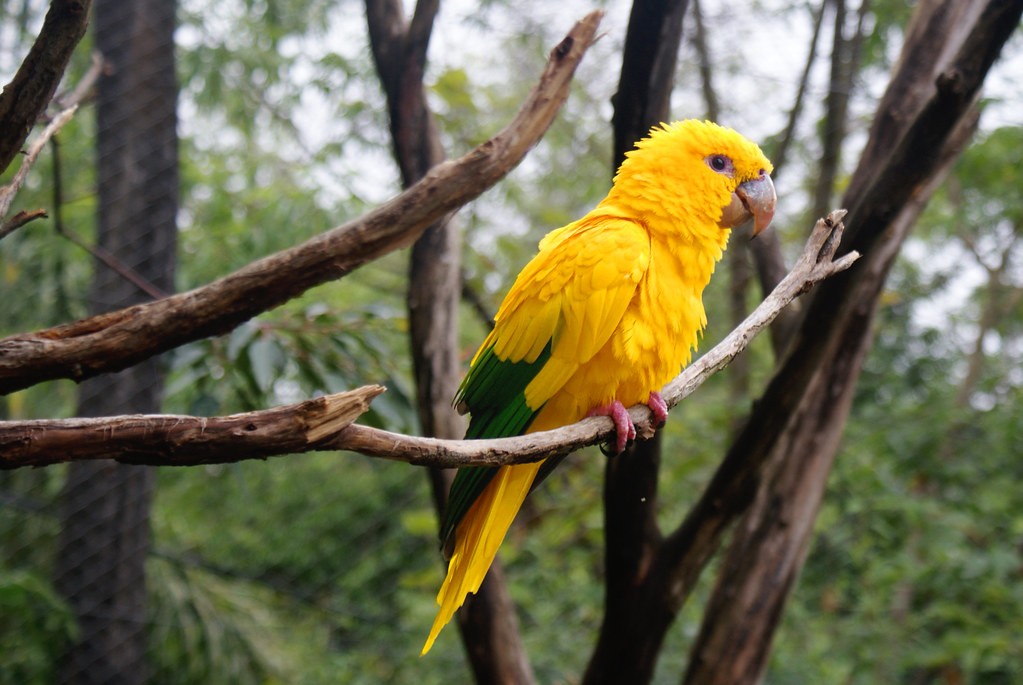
(478, 537)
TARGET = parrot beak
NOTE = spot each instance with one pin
(756, 199)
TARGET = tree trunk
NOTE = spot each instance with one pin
(737, 257)
(487, 622)
(923, 122)
(629, 641)
(845, 58)
(100, 566)
(998, 299)
(766, 249)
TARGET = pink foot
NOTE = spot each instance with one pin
(659, 408)
(624, 427)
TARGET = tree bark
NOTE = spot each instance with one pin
(766, 249)
(488, 624)
(779, 151)
(648, 70)
(104, 539)
(623, 653)
(29, 92)
(998, 300)
(845, 58)
(738, 255)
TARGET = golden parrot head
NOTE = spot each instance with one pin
(699, 172)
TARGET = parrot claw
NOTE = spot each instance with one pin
(624, 428)
(659, 408)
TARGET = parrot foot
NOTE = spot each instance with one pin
(624, 428)
(659, 408)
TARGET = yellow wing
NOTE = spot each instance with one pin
(571, 296)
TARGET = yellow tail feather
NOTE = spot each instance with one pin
(478, 537)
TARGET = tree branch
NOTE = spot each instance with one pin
(326, 423)
(798, 421)
(69, 104)
(780, 147)
(8, 192)
(814, 265)
(116, 340)
(29, 92)
(766, 250)
(170, 440)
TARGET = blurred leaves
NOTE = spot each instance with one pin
(35, 627)
(206, 629)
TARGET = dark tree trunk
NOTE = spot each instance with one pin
(648, 71)
(923, 121)
(631, 634)
(487, 622)
(740, 273)
(104, 541)
(845, 58)
(766, 249)
(779, 462)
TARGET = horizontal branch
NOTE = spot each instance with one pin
(116, 340)
(189, 440)
(170, 440)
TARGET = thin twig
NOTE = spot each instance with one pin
(116, 265)
(69, 105)
(98, 252)
(8, 191)
(781, 147)
(21, 218)
(83, 90)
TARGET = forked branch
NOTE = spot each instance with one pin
(68, 106)
(326, 423)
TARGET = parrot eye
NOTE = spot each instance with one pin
(721, 164)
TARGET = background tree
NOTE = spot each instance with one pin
(488, 625)
(100, 564)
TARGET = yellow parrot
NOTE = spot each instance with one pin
(607, 312)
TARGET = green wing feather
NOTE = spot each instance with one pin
(494, 393)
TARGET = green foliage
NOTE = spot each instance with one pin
(296, 353)
(988, 176)
(323, 543)
(35, 626)
(206, 629)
